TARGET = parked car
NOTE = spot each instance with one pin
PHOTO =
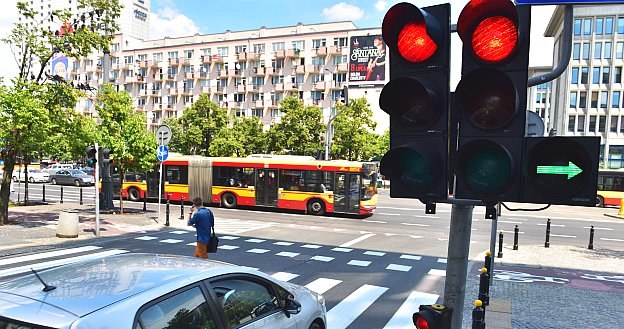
(56, 167)
(74, 177)
(157, 291)
(88, 170)
(34, 175)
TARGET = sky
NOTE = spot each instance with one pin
(186, 17)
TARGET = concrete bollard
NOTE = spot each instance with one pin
(67, 226)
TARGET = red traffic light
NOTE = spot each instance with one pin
(491, 28)
(420, 322)
(413, 32)
(432, 317)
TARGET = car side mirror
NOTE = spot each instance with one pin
(292, 307)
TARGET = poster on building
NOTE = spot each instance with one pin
(59, 67)
(367, 59)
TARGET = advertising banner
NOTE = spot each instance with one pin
(367, 59)
(59, 67)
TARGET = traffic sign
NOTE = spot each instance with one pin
(163, 135)
(162, 153)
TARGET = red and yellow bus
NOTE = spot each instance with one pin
(285, 182)
(610, 188)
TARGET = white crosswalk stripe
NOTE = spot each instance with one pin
(238, 226)
(403, 316)
(343, 314)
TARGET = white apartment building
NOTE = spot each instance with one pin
(587, 97)
(539, 97)
(247, 72)
(134, 20)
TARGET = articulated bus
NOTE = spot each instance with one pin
(286, 182)
(610, 188)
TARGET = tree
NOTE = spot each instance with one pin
(382, 145)
(123, 132)
(199, 124)
(353, 137)
(300, 130)
(27, 106)
(244, 137)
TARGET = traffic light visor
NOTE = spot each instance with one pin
(415, 102)
(413, 32)
(412, 167)
(490, 27)
(484, 166)
(488, 99)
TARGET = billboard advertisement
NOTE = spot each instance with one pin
(367, 59)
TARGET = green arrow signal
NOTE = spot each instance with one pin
(571, 170)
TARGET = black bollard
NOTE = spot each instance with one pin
(61, 194)
(515, 245)
(488, 261)
(167, 210)
(81, 196)
(500, 245)
(591, 238)
(144, 200)
(478, 315)
(182, 207)
(547, 243)
(43, 199)
(484, 286)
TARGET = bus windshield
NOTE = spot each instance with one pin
(369, 180)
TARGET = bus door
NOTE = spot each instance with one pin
(152, 184)
(347, 192)
(266, 187)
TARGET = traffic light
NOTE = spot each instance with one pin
(105, 156)
(491, 100)
(416, 98)
(434, 316)
(91, 156)
(561, 170)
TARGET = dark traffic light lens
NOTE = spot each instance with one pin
(488, 99)
(415, 102)
(485, 167)
(414, 167)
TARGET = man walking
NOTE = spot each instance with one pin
(202, 219)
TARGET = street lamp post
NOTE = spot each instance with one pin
(328, 131)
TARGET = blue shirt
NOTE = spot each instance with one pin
(202, 221)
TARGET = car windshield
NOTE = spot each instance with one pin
(34, 170)
(77, 172)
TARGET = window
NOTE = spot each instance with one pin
(222, 51)
(622, 125)
(571, 123)
(587, 25)
(599, 26)
(318, 43)
(572, 99)
(257, 113)
(586, 51)
(188, 54)
(299, 44)
(604, 99)
(538, 98)
(240, 49)
(620, 26)
(594, 99)
(583, 99)
(602, 123)
(258, 48)
(597, 50)
(619, 47)
(157, 57)
(606, 74)
(609, 25)
(279, 46)
(339, 59)
(613, 124)
(342, 42)
(205, 51)
(575, 76)
(576, 51)
(592, 123)
(607, 50)
(615, 102)
(128, 59)
(596, 75)
(577, 26)
(172, 54)
(580, 127)
(187, 309)
(584, 75)
(176, 174)
(318, 61)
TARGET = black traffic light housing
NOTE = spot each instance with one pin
(105, 156)
(435, 316)
(417, 100)
(91, 156)
(491, 100)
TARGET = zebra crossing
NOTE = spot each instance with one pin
(347, 311)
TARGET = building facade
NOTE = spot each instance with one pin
(539, 97)
(247, 72)
(587, 97)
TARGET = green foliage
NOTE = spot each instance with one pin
(353, 137)
(243, 138)
(300, 130)
(195, 130)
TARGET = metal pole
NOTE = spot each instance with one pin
(547, 243)
(43, 199)
(96, 172)
(167, 210)
(81, 203)
(61, 194)
(493, 230)
(159, 187)
(457, 264)
(516, 231)
(591, 238)
(182, 207)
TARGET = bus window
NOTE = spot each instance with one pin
(176, 174)
(233, 176)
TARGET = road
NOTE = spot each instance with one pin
(372, 271)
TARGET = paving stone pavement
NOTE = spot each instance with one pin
(591, 298)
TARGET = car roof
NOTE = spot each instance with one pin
(84, 287)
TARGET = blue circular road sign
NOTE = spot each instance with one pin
(162, 153)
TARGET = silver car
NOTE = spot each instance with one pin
(148, 291)
(73, 177)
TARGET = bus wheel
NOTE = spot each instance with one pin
(228, 200)
(134, 194)
(599, 201)
(316, 207)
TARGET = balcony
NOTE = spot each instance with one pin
(189, 75)
(216, 89)
(241, 57)
(272, 103)
(253, 56)
(204, 75)
(335, 85)
(279, 87)
(222, 73)
(205, 90)
(155, 92)
(173, 91)
(241, 88)
(253, 88)
(158, 77)
(279, 54)
(275, 71)
(258, 103)
(313, 68)
(186, 91)
(321, 51)
(291, 86)
(320, 85)
(258, 71)
(170, 77)
(206, 59)
(294, 53)
(235, 73)
(174, 61)
(236, 105)
(300, 69)
(144, 64)
(343, 67)
(186, 61)
(142, 93)
(218, 59)
(154, 64)
(317, 102)
(335, 50)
